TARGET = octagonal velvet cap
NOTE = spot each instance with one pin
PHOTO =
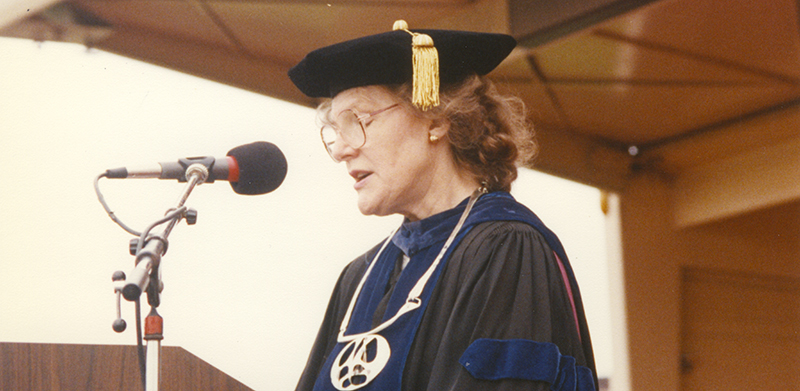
(386, 58)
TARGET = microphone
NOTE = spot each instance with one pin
(251, 169)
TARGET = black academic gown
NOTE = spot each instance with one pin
(504, 281)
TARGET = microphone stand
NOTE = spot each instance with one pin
(145, 276)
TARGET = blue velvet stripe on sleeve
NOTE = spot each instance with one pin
(494, 359)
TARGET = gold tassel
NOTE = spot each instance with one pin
(426, 69)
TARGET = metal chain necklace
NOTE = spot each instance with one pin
(367, 353)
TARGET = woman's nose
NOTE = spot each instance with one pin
(341, 151)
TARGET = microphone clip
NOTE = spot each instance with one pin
(201, 166)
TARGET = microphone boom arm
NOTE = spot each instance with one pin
(150, 248)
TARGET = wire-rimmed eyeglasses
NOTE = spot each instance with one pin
(349, 126)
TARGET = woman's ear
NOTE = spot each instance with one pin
(438, 129)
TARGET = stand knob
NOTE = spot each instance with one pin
(191, 216)
(119, 324)
(133, 245)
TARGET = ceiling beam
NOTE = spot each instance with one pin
(760, 129)
(739, 184)
(536, 22)
(582, 159)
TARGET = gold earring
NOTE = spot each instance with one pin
(434, 138)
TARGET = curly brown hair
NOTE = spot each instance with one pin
(489, 132)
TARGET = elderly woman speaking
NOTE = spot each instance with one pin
(472, 291)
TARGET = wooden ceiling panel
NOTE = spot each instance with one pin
(180, 20)
(515, 76)
(541, 108)
(516, 67)
(642, 115)
(760, 35)
(598, 58)
(287, 31)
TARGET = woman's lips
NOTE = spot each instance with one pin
(360, 177)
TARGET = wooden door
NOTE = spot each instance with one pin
(740, 331)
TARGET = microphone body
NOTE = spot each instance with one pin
(225, 169)
(251, 169)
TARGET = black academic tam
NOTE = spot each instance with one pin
(385, 59)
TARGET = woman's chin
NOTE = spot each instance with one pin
(368, 210)
(365, 206)
(371, 206)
